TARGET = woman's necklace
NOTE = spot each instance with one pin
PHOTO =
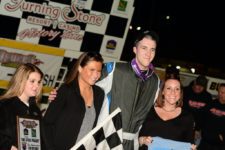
(168, 110)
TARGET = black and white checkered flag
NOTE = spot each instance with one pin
(106, 136)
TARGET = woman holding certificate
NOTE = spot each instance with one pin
(167, 119)
(19, 100)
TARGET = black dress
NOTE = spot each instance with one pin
(9, 110)
(178, 129)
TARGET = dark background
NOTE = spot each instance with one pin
(192, 37)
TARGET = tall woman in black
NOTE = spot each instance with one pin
(76, 108)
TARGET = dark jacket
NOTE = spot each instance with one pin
(65, 114)
(204, 98)
(215, 125)
(9, 110)
(133, 96)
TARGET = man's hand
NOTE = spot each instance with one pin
(52, 95)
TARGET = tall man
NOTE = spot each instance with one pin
(134, 87)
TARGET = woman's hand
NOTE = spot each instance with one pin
(145, 140)
(13, 148)
(221, 137)
(193, 147)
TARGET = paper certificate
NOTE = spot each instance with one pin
(28, 133)
(166, 144)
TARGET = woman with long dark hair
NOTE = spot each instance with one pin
(76, 108)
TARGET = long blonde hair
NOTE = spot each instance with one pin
(18, 81)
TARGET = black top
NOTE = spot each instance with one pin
(197, 104)
(9, 110)
(179, 128)
(64, 116)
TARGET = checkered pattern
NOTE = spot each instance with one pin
(106, 136)
(115, 26)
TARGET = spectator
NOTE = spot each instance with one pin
(213, 131)
(172, 72)
(196, 101)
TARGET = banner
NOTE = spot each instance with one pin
(13, 53)
(76, 25)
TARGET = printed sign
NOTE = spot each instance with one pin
(76, 26)
(28, 134)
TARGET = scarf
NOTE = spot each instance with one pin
(143, 74)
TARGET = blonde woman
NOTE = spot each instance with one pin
(19, 100)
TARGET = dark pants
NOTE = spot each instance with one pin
(207, 146)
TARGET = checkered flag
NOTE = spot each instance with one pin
(107, 135)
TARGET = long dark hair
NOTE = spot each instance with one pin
(82, 61)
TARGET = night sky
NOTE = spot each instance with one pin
(194, 33)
